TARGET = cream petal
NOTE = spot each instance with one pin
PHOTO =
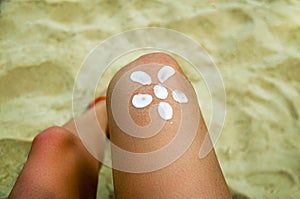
(165, 73)
(165, 110)
(160, 92)
(179, 96)
(141, 77)
(141, 100)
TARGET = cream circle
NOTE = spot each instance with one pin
(165, 110)
(179, 96)
(110, 49)
(141, 77)
(160, 92)
(141, 100)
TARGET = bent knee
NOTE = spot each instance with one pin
(54, 138)
(153, 111)
(159, 58)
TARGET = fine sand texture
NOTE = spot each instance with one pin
(255, 44)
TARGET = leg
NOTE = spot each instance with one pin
(187, 177)
(59, 166)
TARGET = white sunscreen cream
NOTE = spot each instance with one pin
(179, 96)
(141, 100)
(165, 110)
(165, 73)
(160, 92)
(141, 77)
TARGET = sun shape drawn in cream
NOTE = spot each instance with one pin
(142, 100)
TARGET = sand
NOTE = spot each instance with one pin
(255, 45)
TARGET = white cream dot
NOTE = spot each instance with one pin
(160, 92)
(141, 100)
(179, 96)
(165, 73)
(141, 77)
(165, 110)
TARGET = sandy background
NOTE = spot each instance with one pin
(256, 45)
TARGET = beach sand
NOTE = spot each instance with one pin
(255, 44)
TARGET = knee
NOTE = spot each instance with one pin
(158, 57)
(54, 138)
(59, 144)
(142, 116)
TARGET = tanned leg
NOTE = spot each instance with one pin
(187, 177)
